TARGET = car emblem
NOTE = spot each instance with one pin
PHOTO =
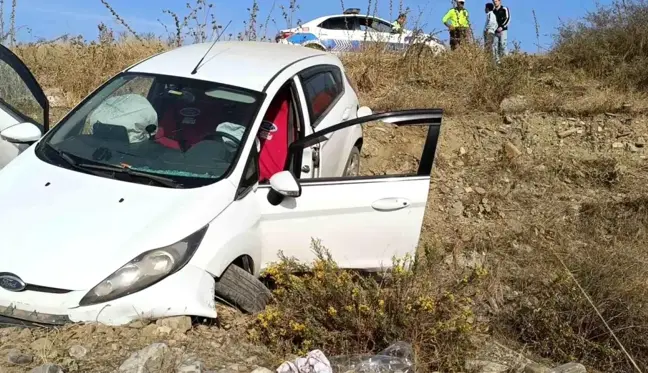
(190, 112)
(12, 283)
(266, 130)
(268, 126)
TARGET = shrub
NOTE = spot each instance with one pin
(345, 312)
(609, 43)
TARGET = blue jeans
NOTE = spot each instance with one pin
(499, 45)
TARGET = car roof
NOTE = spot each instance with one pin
(245, 64)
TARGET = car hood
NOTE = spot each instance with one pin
(68, 230)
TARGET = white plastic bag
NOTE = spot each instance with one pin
(314, 362)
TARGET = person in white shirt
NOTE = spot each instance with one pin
(490, 27)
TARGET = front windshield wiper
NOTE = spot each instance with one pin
(67, 158)
(128, 171)
(88, 167)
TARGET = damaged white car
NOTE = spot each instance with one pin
(183, 176)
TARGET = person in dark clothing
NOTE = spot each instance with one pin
(501, 34)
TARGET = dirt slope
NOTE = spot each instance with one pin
(485, 197)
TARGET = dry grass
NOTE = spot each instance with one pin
(609, 44)
(575, 198)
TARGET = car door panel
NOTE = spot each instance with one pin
(349, 219)
(16, 72)
(21, 100)
(362, 221)
(7, 119)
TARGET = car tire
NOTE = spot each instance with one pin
(315, 46)
(242, 289)
(352, 166)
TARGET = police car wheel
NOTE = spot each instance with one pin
(314, 46)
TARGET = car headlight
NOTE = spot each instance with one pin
(145, 270)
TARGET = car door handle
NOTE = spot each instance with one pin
(390, 204)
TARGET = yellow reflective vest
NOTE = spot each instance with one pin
(396, 27)
(457, 18)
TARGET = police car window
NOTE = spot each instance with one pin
(321, 91)
(340, 23)
(373, 24)
(380, 26)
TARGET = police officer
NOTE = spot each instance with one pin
(397, 25)
(458, 24)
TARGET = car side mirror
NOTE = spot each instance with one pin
(22, 133)
(364, 111)
(283, 184)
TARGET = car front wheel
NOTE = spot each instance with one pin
(352, 167)
(242, 289)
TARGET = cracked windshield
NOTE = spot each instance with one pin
(168, 126)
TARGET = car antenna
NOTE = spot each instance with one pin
(195, 70)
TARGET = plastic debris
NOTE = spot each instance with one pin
(397, 358)
(314, 362)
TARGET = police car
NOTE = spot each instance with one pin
(351, 31)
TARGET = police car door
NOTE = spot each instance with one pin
(372, 32)
(383, 30)
(340, 34)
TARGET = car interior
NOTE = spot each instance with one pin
(280, 127)
(191, 130)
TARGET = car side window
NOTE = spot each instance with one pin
(374, 24)
(15, 93)
(322, 90)
(340, 23)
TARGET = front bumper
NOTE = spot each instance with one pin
(189, 291)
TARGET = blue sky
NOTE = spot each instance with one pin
(50, 18)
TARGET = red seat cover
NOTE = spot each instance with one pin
(196, 122)
(273, 137)
(321, 102)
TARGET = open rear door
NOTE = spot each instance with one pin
(21, 100)
(363, 221)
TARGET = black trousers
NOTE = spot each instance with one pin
(458, 36)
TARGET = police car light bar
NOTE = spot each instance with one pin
(352, 11)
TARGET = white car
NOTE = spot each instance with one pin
(351, 31)
(153, 195)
